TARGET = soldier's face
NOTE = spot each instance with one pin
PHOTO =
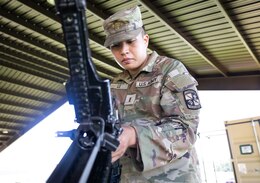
(131, 54)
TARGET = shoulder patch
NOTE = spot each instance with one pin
(191, 99)
(174, 73)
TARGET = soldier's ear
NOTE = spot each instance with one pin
(146, 39)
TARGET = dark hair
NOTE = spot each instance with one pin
(144, 31)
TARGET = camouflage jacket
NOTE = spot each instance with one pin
(162, 104)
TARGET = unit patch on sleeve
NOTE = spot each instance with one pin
(191, 99)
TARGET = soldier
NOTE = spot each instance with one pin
(158, 103)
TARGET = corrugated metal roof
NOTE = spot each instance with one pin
(218, 41)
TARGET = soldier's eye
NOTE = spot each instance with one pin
(114, 46)
(131, 41)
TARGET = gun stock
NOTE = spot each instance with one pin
(88, 159)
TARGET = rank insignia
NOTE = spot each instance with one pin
(191, 99)
(130, 99)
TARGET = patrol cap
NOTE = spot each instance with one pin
(123, 25)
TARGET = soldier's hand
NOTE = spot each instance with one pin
(126, 139)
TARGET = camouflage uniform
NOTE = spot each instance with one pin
(162, 104)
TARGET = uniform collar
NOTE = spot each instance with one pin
(126, 77)
(150, 63)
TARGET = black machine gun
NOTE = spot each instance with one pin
(88, 158)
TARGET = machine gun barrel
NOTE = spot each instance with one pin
(88, 159)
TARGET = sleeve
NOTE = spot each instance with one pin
(174, 134)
